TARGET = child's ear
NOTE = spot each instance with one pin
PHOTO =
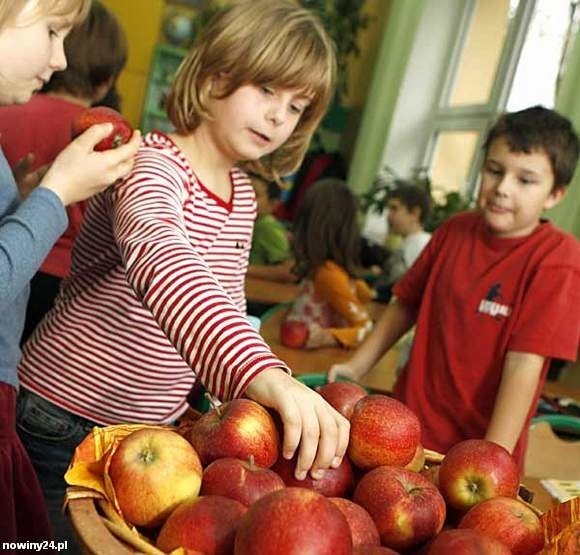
(555, 196)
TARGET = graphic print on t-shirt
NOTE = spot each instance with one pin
(491, 305)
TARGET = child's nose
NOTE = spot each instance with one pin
(276, 112)
(58, 58)
(503, 185)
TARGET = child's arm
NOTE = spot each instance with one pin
(29, 230)
(276, 272)
(309, 421)
(334, 285)
(395, 321)
(519, 382)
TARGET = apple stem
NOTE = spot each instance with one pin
(251, 462)
(213, 404)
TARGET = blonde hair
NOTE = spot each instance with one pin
(77, 10)
(260, 42)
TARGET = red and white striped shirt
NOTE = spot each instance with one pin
(156, 291)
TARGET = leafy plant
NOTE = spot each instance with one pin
(343, 20)
(443, 205)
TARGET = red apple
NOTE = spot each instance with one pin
(121, 133)
(206, 524)
(418, 461)
(466, 542)
(474, 470)
(383, 431)
(509, 521)
(406, 507)
(237, 429)
(343, 396)
(293, 333)
(243, 481)
(293, 521)
(152, 471)
(362, 527)
(336, 482)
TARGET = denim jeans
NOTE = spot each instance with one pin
(50, 435)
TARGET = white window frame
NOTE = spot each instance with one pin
(478, 117)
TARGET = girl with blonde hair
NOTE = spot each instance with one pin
(156, 295)
(31, 49)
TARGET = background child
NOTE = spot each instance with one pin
(408, 208)
(495, 294)
(31, 48)
(270, 255)
(326, 245)
(156, 294)
(33, 134)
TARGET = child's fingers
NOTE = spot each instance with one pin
(93, 135)
(309, 442)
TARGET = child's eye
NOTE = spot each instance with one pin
(268, 90)
(296, 109)
(526, 181)
(493, 171)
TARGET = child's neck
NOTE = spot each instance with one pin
(70, 98)
(413, 228)
(208, 163)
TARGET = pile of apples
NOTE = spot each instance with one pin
(223, 487)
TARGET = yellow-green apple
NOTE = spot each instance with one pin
(509, 521)
(293, 333)
(362, 527)
(418, 461)
(335, 482)
(475, 470)
(293, 521)
(207, 524)
(407, 508)
(383, 431)
(466, 542)
(343, 396)
(152, 471)
(240, 428)
(243, 481)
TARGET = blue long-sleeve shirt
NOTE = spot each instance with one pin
(28, 231)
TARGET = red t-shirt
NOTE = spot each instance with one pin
(43, 126)
(477, 297)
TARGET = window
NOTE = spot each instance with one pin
(507, 56)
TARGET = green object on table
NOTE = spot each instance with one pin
(318, 379)
(560, 422)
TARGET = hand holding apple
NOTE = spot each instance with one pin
(120, 134)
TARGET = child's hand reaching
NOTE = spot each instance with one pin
(309, 421)
(78, 172)
(344, 370)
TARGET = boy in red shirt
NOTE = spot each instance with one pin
(495, 295)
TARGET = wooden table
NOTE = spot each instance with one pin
(309, 361)
(270, 292)
(561, 390)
